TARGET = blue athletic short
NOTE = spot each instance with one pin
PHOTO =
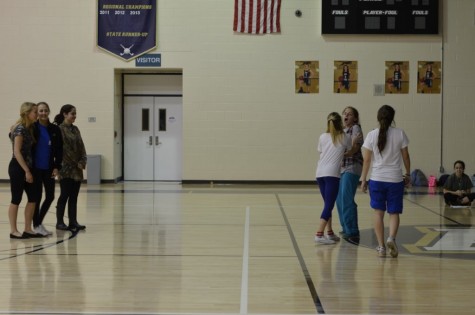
(386, 196)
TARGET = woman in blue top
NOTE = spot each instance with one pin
(48, 156)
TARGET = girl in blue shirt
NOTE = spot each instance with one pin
(48, 156)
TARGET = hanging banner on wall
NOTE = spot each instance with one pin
(126, 28)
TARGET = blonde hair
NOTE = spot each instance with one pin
(25, 111)
(24, 120)
(335, 127)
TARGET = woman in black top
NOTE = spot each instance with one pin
(20, 170)
(458, 187)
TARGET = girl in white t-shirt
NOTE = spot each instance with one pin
(387, 149)
(331, 145)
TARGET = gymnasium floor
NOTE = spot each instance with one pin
(157, 248)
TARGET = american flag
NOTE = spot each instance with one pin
(257, 16)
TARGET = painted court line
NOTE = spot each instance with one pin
(245, 265)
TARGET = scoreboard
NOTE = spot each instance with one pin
(380, 16)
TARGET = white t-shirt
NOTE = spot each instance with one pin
(331, 155)
(387, 167)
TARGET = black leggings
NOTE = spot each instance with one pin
(43, 178)
(455, 200)
(18, 183)
(69, 194)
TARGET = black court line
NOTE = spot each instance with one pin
(224, 190)
(39, 247)
(193, 191)
(308, 278)
(436, 213)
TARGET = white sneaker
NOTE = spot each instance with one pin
(39, 230)
(381, 251)
(333, 237)
(393, 251)
(323, 240)
(45, 230)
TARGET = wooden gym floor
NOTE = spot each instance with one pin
(157, 248)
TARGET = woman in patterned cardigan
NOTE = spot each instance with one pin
(71, 173)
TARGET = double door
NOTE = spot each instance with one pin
(153, 138)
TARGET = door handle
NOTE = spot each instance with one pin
(157, 140)
(150, 142)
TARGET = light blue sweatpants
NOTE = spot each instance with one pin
(346, 205)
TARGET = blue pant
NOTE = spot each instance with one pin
(329, 190)
(346, 205)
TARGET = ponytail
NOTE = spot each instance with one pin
(65, 109)
(335, 127)
(385, 119)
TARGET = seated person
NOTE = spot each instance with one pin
(458, 187)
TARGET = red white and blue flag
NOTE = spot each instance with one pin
(257, 16)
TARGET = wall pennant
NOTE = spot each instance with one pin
(126, 28)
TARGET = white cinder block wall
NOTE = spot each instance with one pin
(242, 118)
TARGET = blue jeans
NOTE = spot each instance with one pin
(346, 205)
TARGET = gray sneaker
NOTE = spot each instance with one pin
(393, 251)
(323, 240)
(42, 227)
(333, 237)
(381, 251)
(39, 230)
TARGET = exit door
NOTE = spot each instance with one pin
(153, 138)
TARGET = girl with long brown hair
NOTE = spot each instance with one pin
(71, 173)
(350, 176)
(386, 149)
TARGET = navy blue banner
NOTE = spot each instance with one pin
(126, 28)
